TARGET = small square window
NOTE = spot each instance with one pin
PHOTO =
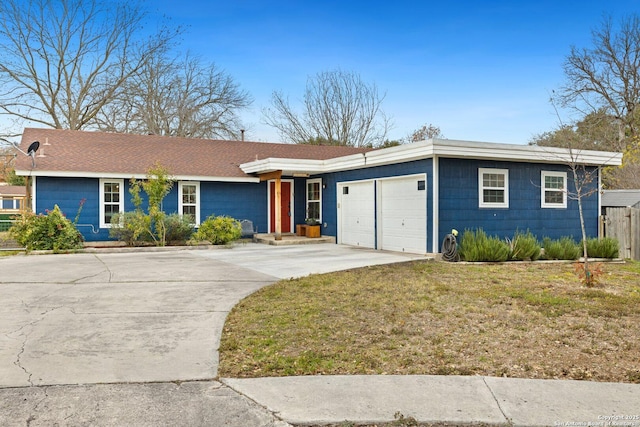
(422, 185)
(493, 188)
(345, 190)
(554, 189)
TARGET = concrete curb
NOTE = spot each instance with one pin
(443, 399)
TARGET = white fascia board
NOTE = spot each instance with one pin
(64, 174)
(352, 161)
(273, 164)
(385, 156)
(442, 148)
(310, 166)
(401, 153)
(523, 153)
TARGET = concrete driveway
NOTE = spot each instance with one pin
(138, 316)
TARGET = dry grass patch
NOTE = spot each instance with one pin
(525, 320)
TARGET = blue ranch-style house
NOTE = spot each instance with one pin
(404, 198)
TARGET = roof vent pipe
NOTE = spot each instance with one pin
(242, 134)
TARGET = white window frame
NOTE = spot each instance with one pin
(319, 182)
(103, 181)
(544, 190)
(181, 185)
(481, 188)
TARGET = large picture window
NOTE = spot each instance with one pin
(314, 200)
(189, 200)
(554, 189)
(493, 185)
(111, 200)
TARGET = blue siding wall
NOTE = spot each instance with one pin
(238, 200)
(459, 202)
(67, 193)
(300, 200)
(329, 206)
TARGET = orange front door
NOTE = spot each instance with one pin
(285, 206)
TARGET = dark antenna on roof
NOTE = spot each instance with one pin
(31, 152)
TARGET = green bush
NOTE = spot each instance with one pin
(566, 249)
(131, 227)
(524, 246)
(476, 246)
(606, 247)
(218, 230)
(52, 231)
(179, 228)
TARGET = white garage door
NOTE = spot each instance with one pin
(402, 214)
(356, 213)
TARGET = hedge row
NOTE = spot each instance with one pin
(475, 245)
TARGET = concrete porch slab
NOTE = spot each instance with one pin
(291, 239)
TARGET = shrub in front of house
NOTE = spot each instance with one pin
(607, 247)
(218, 230)
(476, 246)
(178, 228)
(563, 249)
(524, 247)
(52, 231)
(131, 227)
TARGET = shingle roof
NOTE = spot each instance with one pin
(620, 198)
(111, 153)
(13, 190)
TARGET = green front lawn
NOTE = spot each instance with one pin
(526, 320)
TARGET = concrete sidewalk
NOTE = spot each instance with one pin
(456, 400)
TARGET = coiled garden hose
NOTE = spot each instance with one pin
(450, 249)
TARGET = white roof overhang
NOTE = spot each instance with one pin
(435, 147)
(76, 174)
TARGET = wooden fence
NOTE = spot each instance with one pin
(624, 224)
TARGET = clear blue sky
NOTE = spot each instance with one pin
(480, 70)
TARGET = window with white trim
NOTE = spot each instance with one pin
(314, 199)
(493, 188)
(189, 200)
(111, 200)
(554, 189)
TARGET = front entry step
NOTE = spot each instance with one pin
(291, 239)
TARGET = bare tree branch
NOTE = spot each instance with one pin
(607, 76)
(338, 108)
(177, 97)
(62, 61)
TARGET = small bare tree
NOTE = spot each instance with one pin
(338, 108)
(62, 61)
(583, 179)
(177, 97)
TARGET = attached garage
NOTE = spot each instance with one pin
(356, 213)
(386, 213)
(402, 214)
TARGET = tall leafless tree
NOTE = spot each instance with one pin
(338, 108)
(607, 75)
(177, 97)
(62, 61)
